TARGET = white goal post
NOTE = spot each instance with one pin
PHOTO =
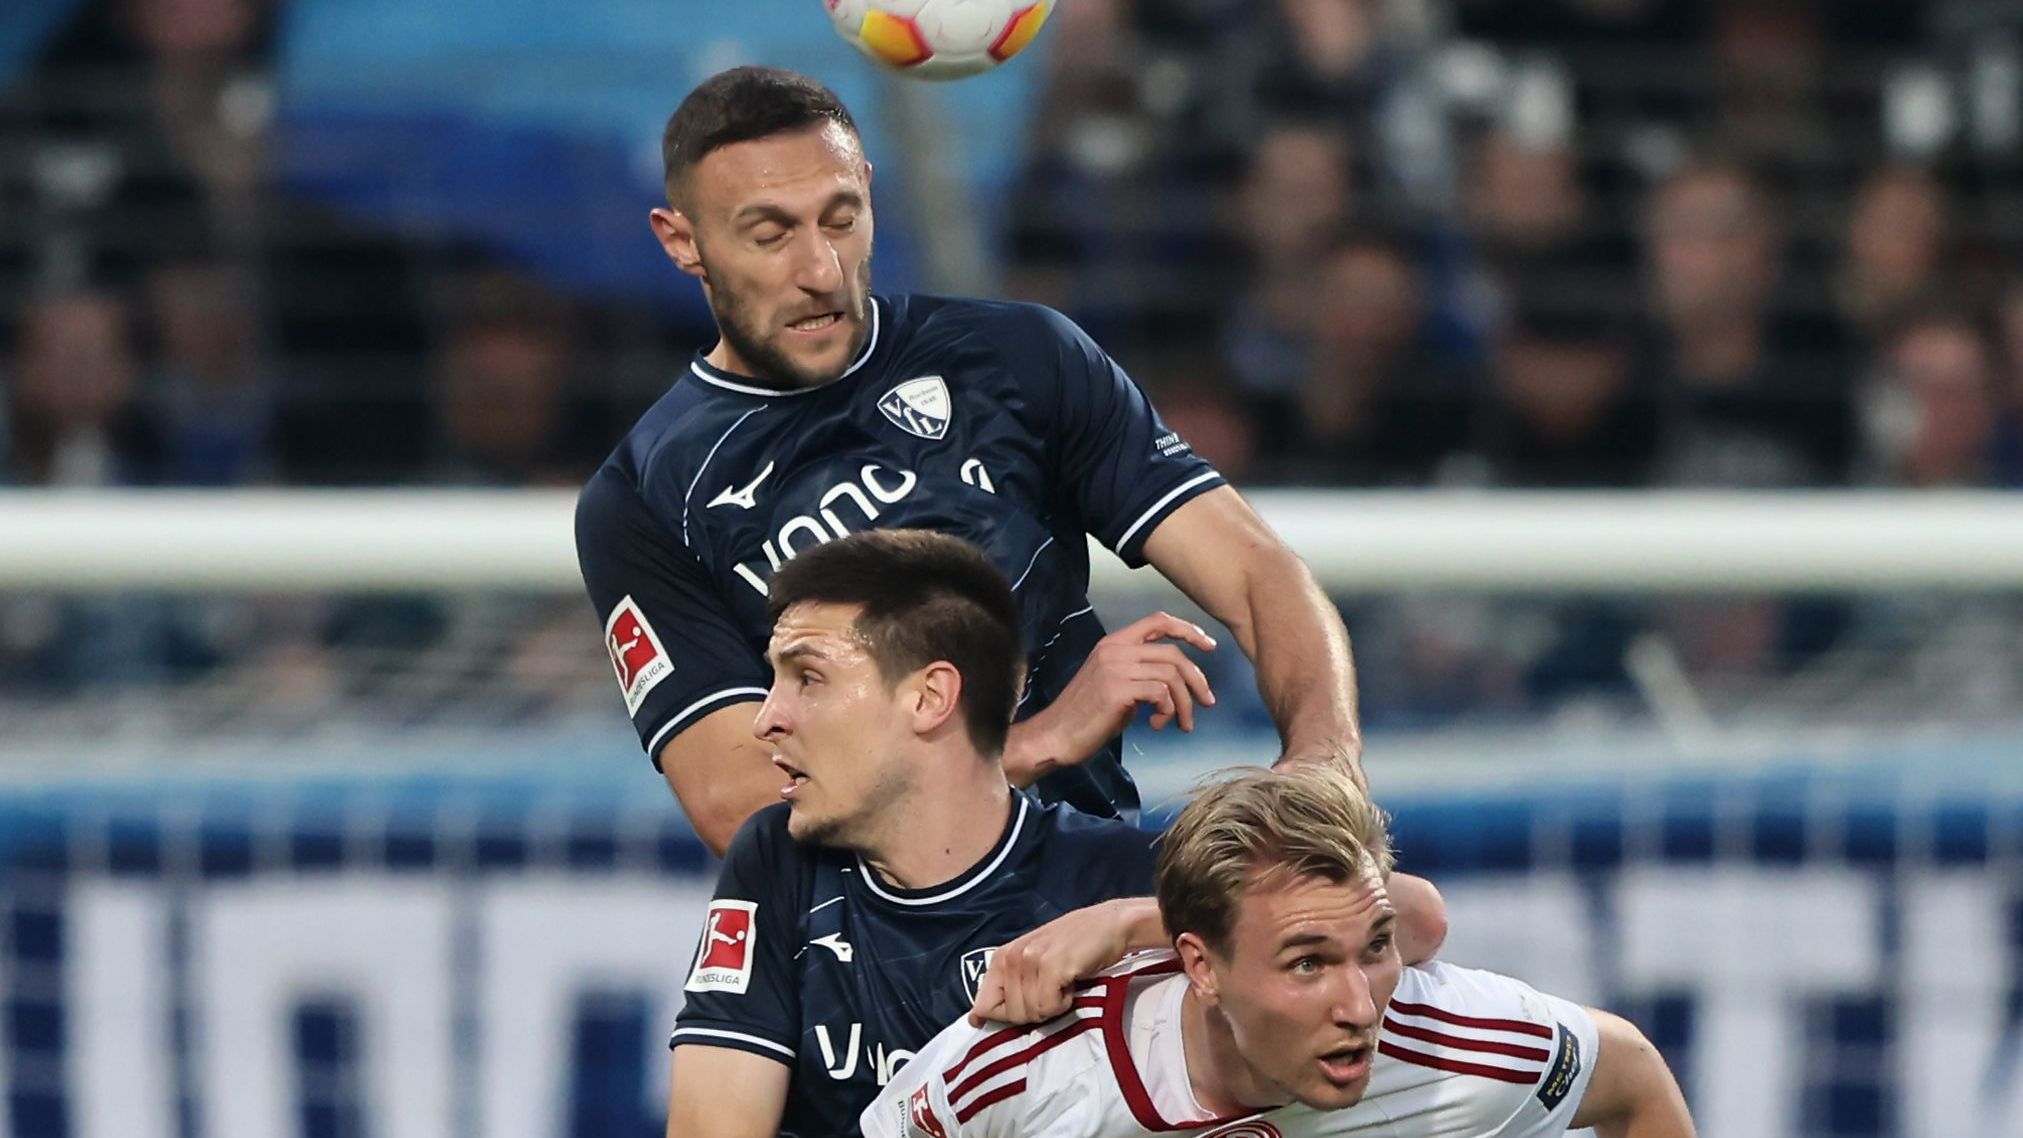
(323, 541)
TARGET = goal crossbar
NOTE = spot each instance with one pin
(371, 541)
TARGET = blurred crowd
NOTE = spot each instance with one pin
(1372, 243)
(172, 317)
(1732, 244)
(1572, 243)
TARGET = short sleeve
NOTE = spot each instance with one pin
(1557, 1095)
(1120, 465)
(674, 646)
(742, 991)
(1521, 1058)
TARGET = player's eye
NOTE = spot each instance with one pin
(843, 224)
(771, 238)
(1379, 946)
(1306, 965)
(808, 677)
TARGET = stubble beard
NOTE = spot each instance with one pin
(863, 829)
(762, 354)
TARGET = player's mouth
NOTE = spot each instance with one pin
(1345, 1065)
(794, 776)
(815, 325)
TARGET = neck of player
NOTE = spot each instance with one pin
(1223, 1083)
(954, 818)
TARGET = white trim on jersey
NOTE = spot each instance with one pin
(714, 1033)
(1060, 630)
(680, 718)
(870, 344)
(1184, 487)
(700, 470)
(1018, 824)
(1030, 564)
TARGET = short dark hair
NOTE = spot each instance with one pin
(926, 596)
(740, 105)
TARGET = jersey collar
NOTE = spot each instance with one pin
(742, 384)
(970, 878)
(1116, 989)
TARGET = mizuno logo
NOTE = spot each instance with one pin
(835, 943)
(745, 497)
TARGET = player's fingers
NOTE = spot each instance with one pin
(989, 1003)
(1057, 979)
(1017, 990)
(1179, 694)
(1165, 626)
(1179, 680)
(1197, 682)
(1168, 662)
(1158, 694)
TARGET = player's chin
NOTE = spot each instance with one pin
(806, 824)
(1340, 1079)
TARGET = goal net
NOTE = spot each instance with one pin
(319, 814)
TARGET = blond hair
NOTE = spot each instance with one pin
(1252, 827)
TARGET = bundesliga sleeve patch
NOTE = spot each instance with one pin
(724, 962)
(919, 1120)
(636, 654)
(1565, 1069)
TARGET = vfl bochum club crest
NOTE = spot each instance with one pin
(975, 963)
(918, 406)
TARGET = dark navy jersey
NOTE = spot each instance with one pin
(809, 958)
(1000, 423)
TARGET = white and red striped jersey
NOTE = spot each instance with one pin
(1464, 1054)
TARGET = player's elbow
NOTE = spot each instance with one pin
(1422, 917)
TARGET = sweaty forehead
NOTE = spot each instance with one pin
(1277, 907)
(798, 168)
(821, 627)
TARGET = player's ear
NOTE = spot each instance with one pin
(1195, 962)
(676, 234)
(937, 697)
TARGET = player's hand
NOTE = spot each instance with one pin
(1033, 978)
(1141, 663)
(1345, 753)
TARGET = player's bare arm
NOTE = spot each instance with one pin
(721, 773)
(1224, 557)
(1032, 979)
(1228, 561)
(716, 1092)
(1631, 1094)
(1141, 663)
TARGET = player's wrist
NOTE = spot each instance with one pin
(1344, 749)
(1138, 923)
(1029, 752)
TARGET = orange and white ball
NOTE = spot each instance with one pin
(939, 39)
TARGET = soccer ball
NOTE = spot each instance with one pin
(939, 39)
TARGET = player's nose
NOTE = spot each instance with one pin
(821, 265)
(771, 721)
(1355, 1004)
